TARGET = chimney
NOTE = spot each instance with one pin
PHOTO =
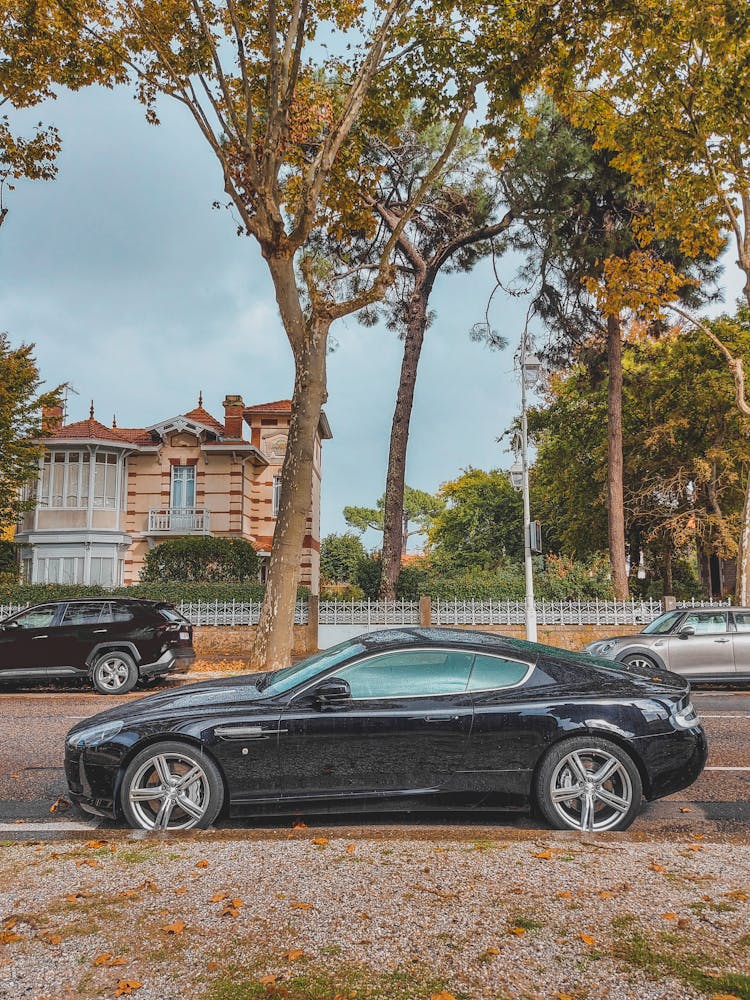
(52, 419)
(233, 410)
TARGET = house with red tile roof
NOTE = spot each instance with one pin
(106, 495)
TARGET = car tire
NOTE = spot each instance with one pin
(569, 796)
(641, 661)
(114, 673)
(194, 806)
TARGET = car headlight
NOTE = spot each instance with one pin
(92, 736)
(605, 648)
(686, 717)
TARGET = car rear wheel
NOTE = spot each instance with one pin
(588, 783)
(114, 673)
(171, 786)
(640, 661)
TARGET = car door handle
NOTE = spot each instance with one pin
(441, 718)
(98, 631)
(246, 732)
(40, 637)
(722, 640)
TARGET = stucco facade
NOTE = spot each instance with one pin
(106, 495)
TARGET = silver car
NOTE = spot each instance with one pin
(708, 645)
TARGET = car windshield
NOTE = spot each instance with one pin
(282, 680)
(663, 623)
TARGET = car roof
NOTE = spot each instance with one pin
(470, 638)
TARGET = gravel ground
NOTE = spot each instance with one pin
(309, 915)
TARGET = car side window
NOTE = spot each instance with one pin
(120, 613)
(491, 672)
(41, 617)
(409, 674)
(742, 620)
(83, 614)
(706, 624)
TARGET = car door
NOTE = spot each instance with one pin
(741, 642)
(705, 653)
(405, 727)
(83, 624)
(25, 641)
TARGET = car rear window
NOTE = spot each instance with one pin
(171, 615)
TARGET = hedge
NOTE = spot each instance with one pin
(166, 591)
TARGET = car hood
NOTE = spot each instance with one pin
(229, 691)
(617, 640)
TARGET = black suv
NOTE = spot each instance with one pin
(115, 642)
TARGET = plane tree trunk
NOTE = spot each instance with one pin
(615, 495)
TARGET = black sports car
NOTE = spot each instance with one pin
(428, 719)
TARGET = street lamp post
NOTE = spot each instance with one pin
(531, 369)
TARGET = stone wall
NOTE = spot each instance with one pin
(228, 648)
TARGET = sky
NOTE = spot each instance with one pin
(141, 295)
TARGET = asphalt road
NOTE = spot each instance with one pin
(33, 726)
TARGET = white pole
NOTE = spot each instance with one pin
(531, 633)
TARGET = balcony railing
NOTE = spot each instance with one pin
(178, 521)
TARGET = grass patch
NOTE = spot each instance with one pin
(637, 950)
(323, 984)
(525, 923)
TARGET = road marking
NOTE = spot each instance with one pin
(718, 767)
(67, 826)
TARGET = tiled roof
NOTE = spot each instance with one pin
(88, 430)
(279, 406)
(201, 416)
(135, 435)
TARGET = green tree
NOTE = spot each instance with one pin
(457, 224)
(21, 426)
(482, 523)
(419, 510)
(340, 555)
(580, 213)
(201, 559)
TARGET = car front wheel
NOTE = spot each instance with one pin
(588, 783)
(114, 673)
(171, 786)
(640, 661)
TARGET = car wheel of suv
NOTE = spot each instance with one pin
(171, 786)
(587, 783)
(114, 673)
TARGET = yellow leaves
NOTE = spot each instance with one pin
(586, 938)
(59, 805)
(563, 996)
(444, 995)
(656, 868)
(725, 996)
(302, 906)
(177, 927)
(75, 896)
(518, 931)
(180, 891)
(95, 845)
(351, 848)
(8, 936)
(490, 952)
(232, 908)
(320, 841)
(669, 916)
(127, 986)
(87, 862)
(108, 960)
(293, 955)
(269, 979)
(219, 897)
(201, 864)
(51, 938)
(564, 895)
(545, 855)
(604, 894)
(739, 895)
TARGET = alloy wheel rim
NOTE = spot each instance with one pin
(591, 789)
(640, 663)
(169, 791)
(112, 673)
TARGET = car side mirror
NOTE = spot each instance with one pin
(332, 692)
(686, 631)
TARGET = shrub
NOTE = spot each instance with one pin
(203, 559)
(8, 560)
(11, 593)
(339, 557)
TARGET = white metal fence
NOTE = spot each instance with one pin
(443, 612)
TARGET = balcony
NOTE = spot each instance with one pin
(178, 521)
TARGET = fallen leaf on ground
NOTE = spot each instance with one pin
(365, 916)
(695, 847)
(6, 937)
(179, 892)
(219, 897)
(49, 938)
(18, 822)
(669, 916)
(518, 931)
(293, 954)
(684, 809)
(59, 805)
(442, 996)
(543, 855)
(565, 895)
(174, 928)
(563, 996)
(78, 894)
(739, 895)
(724, 996)
(656, 868)
(299, 824)
(492, 951)
(127, 986)
(606, 895)
(212, 966)
(320, 841)
(351, 848)
(302, 906)
(587, 938)
(270, 978)
(95, 844)
(148, 884)
(90, 862)
(108, 960)
(201, 864)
